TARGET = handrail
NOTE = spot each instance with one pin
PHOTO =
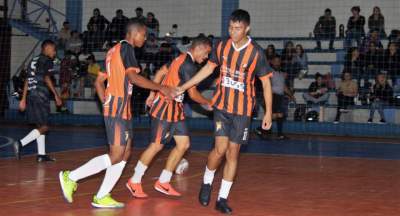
(33, 16)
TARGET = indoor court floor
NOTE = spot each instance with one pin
(303, 176)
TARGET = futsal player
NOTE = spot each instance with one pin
(240, 60)
(122, 71)
(38, 90)
(168, 120)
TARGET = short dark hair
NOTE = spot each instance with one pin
(139, 9)
(91, 57)
(356, 8)
(318, 75)
(134, 23)
(240, 15)
(200, 40)
(120, 11)
(328, 10)
(47, 42)
(65, 22)
(96, 9)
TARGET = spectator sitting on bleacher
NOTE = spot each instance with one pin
(151, 48)
(270, 53)
(289, 64)
(325, 29)
(74, 44)
(355, 27)
(116, 29)
(381, 95)
(372, 37)
(377, 21)
(395, 37)
(174, 30)
(354, 63)
(64, 35)
(346, 93)
(164, 55)
(373, 62)
(392, 62)
(93, 71)
(97, 26)
(139, 14)
(317, 92)
(302, 60)
(80, 78)
(98, 22)
(68, 67)
(153, 26)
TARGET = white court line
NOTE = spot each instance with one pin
(10, 141)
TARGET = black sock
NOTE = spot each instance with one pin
(279, 124)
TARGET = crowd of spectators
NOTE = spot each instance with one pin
(366, 61)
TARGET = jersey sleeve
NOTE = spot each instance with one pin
(214, 54)
(187, 71)
(263, 70)
(128, 57)
(47, 68)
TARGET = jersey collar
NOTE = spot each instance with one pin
(243, 47)
(190, 54)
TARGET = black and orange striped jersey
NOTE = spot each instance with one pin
(118, 92)
(180, 70)
(235, 90)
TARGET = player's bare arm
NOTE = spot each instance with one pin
(158, 78)
(22, 103)
(99, 85)
(267, 90)
(204, 72)
(50, 85)
(148, 84)
(197, 97)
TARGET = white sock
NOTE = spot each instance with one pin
(34, 134)
(92, 167)
(165, 176)
(208, 176)
(139, 172)
(113, 173)
(41, 145)
(224, 190)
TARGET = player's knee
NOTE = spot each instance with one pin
(116, 157)
(156, 147)
(183, 147)
(220, 152)
(43, 129)
(232, 154)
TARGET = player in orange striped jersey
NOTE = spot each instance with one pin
(168, 118)
(240, 60)
(122, 72)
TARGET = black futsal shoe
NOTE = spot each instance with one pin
(44, 158)
(222, 206)
(17, 149)
(204, 195)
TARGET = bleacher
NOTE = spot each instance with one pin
(323, 61)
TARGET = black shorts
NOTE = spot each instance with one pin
(162, 131)
(235, 127)
(118, 130)
(38, 108)
(277, 103)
